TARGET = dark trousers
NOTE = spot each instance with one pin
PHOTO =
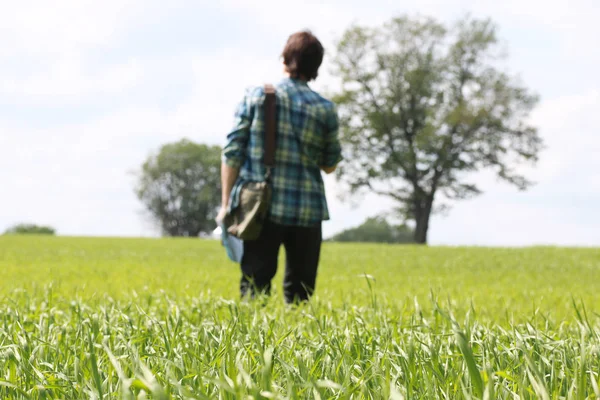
(302, 249)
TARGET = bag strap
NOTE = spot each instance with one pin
(270, 128)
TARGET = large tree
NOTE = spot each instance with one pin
(423, 105)
(180, 187)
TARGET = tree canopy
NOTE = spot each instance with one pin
(422, 106)
(181, 188)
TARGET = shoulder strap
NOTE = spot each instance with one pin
(270, 127)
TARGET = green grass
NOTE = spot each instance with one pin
(137, 318)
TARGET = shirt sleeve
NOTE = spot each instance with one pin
(234, 152)
(332, 152)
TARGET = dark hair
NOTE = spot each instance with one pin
(303, 55)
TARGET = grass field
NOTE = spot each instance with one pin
(139, 318)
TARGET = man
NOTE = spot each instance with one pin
(306, 144)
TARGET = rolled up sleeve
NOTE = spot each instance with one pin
(234, 152)
(332, 152)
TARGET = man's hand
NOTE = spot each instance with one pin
(328, 170)
(221, 215)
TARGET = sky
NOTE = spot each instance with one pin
(88, 89)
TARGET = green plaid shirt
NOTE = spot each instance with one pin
(307, 139)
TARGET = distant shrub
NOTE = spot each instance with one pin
(376, 230)
(30, 229)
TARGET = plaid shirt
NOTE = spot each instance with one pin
(307, 130)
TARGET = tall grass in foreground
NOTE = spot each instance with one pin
(156, 347)
(85, 318)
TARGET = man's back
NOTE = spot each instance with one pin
(307, 127)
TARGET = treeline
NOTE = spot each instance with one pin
(376, 230)
(373, 230)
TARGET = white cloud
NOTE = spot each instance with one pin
(60, 52)
(68, 80)
(570, 26)
(62, 26)
(555, 14)
(567, 125)
(328, 19)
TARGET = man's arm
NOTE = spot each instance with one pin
(332, 153)
(229, 175)
(234, 152)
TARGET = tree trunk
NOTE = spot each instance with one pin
(422, 215)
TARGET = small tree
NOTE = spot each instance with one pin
(422, 106)
(181, 188)
(376, 230)
(30, 229)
